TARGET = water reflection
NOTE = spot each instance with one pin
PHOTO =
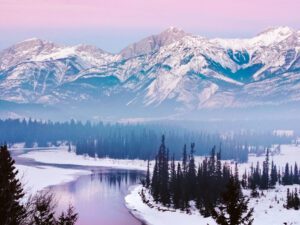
(99, 198)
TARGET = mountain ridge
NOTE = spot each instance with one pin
(171, 69)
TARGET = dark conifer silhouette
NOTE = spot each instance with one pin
(38, 210)
(234, 207)
(68, 218)
(12, 212)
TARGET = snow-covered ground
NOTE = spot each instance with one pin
(268, 209)
(63, 156)
(153, 216)
(38, 178)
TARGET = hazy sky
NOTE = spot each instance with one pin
(112, 24)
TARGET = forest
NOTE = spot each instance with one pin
(213, 183)
(125, 140)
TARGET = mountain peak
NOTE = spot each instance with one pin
(173, 30)
(279, 31)
(153, 42)
(35, 41)
(273, 35)
(26, 50)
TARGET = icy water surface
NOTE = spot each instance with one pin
(99, 198)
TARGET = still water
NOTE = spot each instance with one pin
(99, 198)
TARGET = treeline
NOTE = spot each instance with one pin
(269, 176)
(211, 185)
(140, 144)
(36, 210)
(129, 140)
(116, 140)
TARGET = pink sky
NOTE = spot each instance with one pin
(211, 17)
(218, 14)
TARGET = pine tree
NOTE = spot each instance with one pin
(191, 175)
(274, 175)
(296, 179)
(43, 210)
(265, 174)
(244, 180)
(178, 187)
(155, 182)
(184, 160)
(286, 176)
(147, 181)
(234, 207)
(68, 218)
(296, 200)
(289, 199)
(173, 181)
(12, 212)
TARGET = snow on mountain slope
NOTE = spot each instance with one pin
(188, 71)
(153, 43)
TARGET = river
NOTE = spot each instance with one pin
(98, 198)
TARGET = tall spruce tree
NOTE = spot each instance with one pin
(12, 212)
(147, 181)
(43, 210)
(234, 207)
(68, 218)
(191, 175)
(265, 174)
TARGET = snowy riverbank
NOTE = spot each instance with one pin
(62, 156)
(38, 178)
(268, 209)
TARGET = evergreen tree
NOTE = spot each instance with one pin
(184, 160)
(178, 189)
(234, 207)
(289, 199)
(191, 175)
(68, 218)
(296, 200)
(292, 200)
(296, 179)
(286, 175)
(173, 181)
(43, 211)
(274, 175)
(12, 212)
(244, 180)
(147, 182)
(155, 182)
(265, 174)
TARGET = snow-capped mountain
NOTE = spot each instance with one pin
(153, 43)
(171, 69)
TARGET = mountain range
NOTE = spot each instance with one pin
(173, 72)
